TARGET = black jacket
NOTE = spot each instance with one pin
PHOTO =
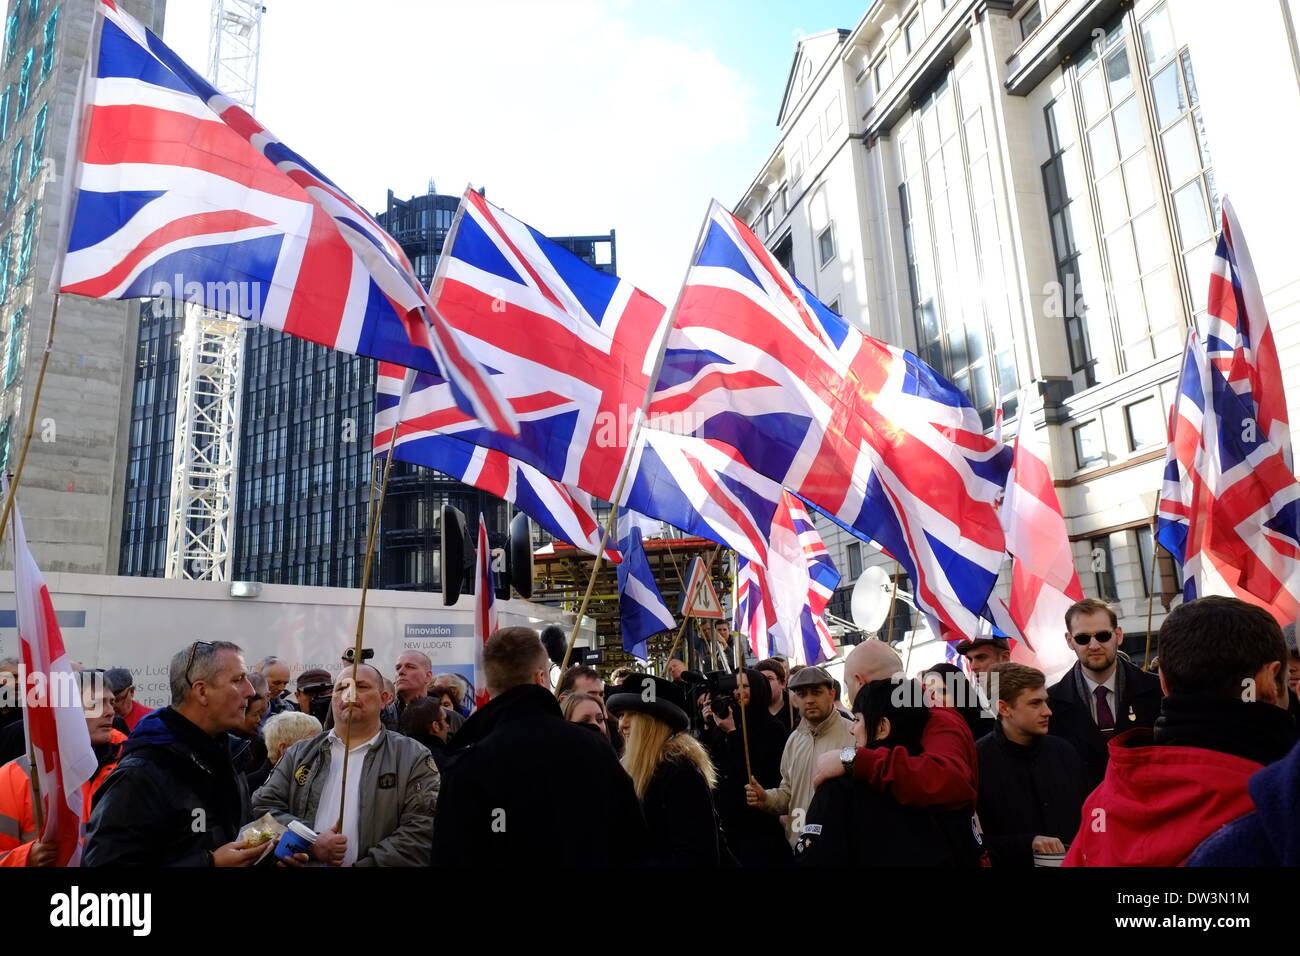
(1139, 705)
(851, 824)
(523, 787)
(173, 799)
(1027, 792)
(679, 814)
(755, 836)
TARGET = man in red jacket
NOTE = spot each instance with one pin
(1223, 670)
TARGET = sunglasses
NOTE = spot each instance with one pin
(1101, 636)
(189, 665)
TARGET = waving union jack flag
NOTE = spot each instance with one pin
(864, 432)
(570, 346)
(181, 193)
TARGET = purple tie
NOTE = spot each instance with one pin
(1105, 719)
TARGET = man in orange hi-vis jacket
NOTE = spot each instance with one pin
(19, 842)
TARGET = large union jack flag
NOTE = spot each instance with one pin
(571, 347)
(1229, 509)
(181, 193)
(864, 432)
(564, 512)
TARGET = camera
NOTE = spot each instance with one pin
(351, 653)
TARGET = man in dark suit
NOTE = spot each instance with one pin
(1103, 694)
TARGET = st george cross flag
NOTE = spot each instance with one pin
(641, 609)
(1044, 580)
(55, 727)
(570, 346)
(1237, 334)
(564, 512)
(485, 609)
(180, 193)
(1229, 508)
(865, 432)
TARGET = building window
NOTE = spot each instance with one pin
(6, 261)
(25, 83)
(882, 72)
(38, 142)
(47, 52)
(1180, 129)
(826, 245)
(769, 221)
(954, 248)
(1145, 557)
(26, 243)
(1031, 20)
(1062, 178)
(4, 111)
(854, 552)
(814, 141)
(835, 307)
(1088, 447)
(833, 116)
(15, 172)
(1144, 424)
(14, 347)
(11, 37)
(784, 193)
(1104, 567)
(912, 34)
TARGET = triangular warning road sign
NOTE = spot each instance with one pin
(700, 599)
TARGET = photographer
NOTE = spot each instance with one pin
(754, 835)
(315, 684)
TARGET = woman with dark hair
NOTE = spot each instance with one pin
(946, 685)
(755, 836)
(851, 824)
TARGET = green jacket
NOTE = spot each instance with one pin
(399, 790)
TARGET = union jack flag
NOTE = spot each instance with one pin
(864, 432)
(1229, 508)
(564, 512)
(1238, 338)
(180, 193)
(570, 346)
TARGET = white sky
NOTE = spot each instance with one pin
(575, 114)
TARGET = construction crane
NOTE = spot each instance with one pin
(205, 449)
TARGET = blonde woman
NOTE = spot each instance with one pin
(671, 773)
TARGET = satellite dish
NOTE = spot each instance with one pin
(873, 595)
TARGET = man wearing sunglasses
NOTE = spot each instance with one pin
(1103, 694)
(175, 798)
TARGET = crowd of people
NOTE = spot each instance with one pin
(753, 764)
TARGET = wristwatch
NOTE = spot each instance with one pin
(846, 758)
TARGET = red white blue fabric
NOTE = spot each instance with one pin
(55, 728)
(866, 433)
(562, 511)
(571, 347)
(485, 609)
(1229, 509)
(179, 192)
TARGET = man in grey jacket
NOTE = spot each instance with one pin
(392, 783)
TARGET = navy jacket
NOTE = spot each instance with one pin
(1270, 836)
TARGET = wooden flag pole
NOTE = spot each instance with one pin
(31, 419)
(373, 510)
(739, 660)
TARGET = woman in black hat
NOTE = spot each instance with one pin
(671, 773)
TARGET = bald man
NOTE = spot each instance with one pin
(870, 660)
(943, 775)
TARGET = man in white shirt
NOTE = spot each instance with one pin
(391, 788)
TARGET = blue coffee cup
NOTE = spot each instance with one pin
(297, 839)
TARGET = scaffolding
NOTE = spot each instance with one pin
(205, 457)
